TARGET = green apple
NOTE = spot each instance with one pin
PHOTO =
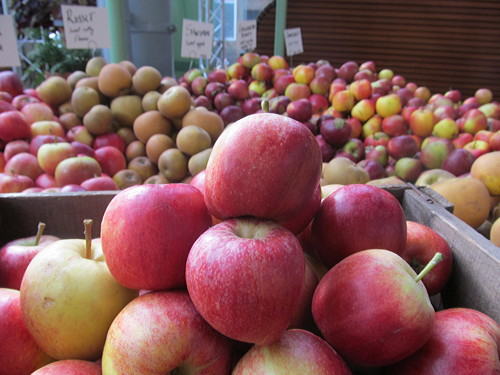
(69, 298)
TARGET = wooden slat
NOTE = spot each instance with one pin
(438, 44)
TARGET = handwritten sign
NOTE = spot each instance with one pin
(293, 41)
(247, 35)
(86, 26)
(197, 39)
(9, 55)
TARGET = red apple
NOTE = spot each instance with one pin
(6, 106)
(15, 256)
(13, 125)
(237, 89)
(82, 149)
(279, 104)
(217, 75)
(231, 113)
(320, 85)
(462, 139)
(353, 149)
(238, 71)
(422, 243)
(363, 110)
(297, 91)
(261, 72)
(232, 172)
(494, 141)
(297, 352)
(433, 153)
(319, 103)
(45, 181)
(374, 168)
(464, 341)
(458, 162)
(213, 88)
(422, 121)
(395, 125)
(347, 70)
(354, 209)
(19, 101)
(251, 106)
(335, 131)
(110, 159)
(375, 139)
(11, 82)
(259, 285)
(326, 149)
(193, 346)
(372, 310)
(402, 146)
(361, 89)
(158, 260)
(300, 110)
(477, 148)
(474, 121)
(21, 354)
(37, 111)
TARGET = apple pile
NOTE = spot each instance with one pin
(108, 128)
(244, 271)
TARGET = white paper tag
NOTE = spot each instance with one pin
(197, 39)
(293, 41)
(9, 55)
(86, 26)
(247, 35)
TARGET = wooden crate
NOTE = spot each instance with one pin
(475, 281)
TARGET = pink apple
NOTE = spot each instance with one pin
(19, 101)
(71, 188)
(158, 261)
(13, 125)
(371, 308)
(326, 149)
(25, 164)
(232, 172)
(259, 285)
(75, 170)
(319, 103)
(45, 181)
(15, 256)
(347, 70)
(15, 147)
(14, 184)
(355, 209)
(37, 111)
(110, 139)
(99, 183)
(70, 367)
(297, 352)
(463, 341)
(6, 106)
(21, 354)
(251, 106)
(194, 346)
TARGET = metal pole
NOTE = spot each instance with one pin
(279, 28)
(118, 51)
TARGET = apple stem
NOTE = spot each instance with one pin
(265, 105)
(438, 257)
(88, 238)
(41, 228)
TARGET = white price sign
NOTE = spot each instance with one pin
(86, 26)
(293, 41)
(9, 55)
(247, 35)
(197, 38)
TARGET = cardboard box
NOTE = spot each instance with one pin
(475, 280)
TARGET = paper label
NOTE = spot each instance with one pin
(86, 26)
(9, 55)
(197, 39)
(293, 41)
(247, 35)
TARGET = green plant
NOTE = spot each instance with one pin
(48, 55)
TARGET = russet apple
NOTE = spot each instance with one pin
(252, 270)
